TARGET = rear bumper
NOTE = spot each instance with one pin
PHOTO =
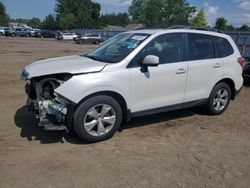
(238, 91)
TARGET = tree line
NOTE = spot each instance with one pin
(71, 14)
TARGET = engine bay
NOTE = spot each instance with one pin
(44, 103)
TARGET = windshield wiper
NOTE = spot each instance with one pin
(98, 59)
(92, 57)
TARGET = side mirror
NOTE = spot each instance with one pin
(151, 61)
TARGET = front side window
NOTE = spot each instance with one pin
(118, 47)
(170, 48)
(200, 47)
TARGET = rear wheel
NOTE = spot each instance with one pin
(219, 99)
(98, 118)
(13, 34)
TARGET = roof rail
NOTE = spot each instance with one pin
(194, 28)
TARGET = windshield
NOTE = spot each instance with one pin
(118, 47)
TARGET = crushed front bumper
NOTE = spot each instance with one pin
(52, 114)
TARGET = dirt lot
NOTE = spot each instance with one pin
(180, 149)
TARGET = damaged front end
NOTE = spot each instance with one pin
(53, 111)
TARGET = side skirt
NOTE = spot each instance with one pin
(166, 109)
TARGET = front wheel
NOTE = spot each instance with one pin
(219, 99)
(98, 118)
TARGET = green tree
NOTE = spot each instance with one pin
(221, 23)
(244, 27)
(177, 12)
(136, 10)
(34, 23)
(230, 28)
(4, 18)
(78, 14)
(67, 21)
(152, 14)
(50, 23)
(161, 13)
(199, 19)
(119, 19)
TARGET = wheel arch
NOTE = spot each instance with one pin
(118, 97)
(231, 84)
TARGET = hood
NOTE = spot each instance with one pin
(71, 64)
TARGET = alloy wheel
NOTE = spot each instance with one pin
(99, 119)
(220, 100)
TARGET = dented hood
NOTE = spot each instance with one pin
(71, 64)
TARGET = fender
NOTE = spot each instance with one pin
(81, 86)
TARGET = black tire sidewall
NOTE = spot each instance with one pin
(84, 108)
(217, 87)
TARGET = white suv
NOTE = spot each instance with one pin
(134, 74)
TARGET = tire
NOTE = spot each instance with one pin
(97, 119)
(219, 99)
(13, 35)
(97, 42)
(1, 34)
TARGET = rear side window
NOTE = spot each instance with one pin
(223, 47)
(200, 47)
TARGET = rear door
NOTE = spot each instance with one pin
(205, 69)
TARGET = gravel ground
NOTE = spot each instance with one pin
(178, 149)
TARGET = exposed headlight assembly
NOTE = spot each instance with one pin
(24, 75)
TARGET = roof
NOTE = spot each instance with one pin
(162, 31)
(146, 31)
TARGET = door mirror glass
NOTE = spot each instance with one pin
(151, 60)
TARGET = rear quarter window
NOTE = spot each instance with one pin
(223, 47)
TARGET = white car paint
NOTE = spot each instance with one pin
(155, 88)
(161, 86)
(68, 36)
(70, 64)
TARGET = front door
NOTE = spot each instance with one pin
(163, 85)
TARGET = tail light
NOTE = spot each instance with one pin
(241, 61)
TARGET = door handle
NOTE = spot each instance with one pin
(181, 71)
(217, 65)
